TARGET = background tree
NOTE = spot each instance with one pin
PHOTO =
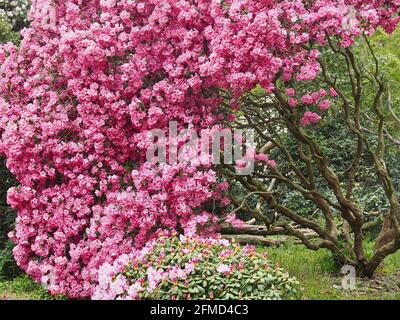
(337, 174)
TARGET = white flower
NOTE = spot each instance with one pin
(223, 268)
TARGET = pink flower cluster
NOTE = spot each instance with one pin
(311, 99)
(309, 118)
(172, 265)
(264, 158)
(77, 99)
(114, 285)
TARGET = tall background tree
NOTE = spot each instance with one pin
(336, 185)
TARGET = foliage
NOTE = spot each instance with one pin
(23, 288)
(8, 267)
(194, 268)
(15, 12)
(336, 171)
(321, 279)
(92, 77)
(338, 146)
(386, 47)
(6, 32)
(6, 182)
(7, 216)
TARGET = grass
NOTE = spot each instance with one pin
(321, 280)
(317, 274)
(22, 288)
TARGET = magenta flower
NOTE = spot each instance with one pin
(324, 105)
(310, 118)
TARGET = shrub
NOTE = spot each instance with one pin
(8, 268)
(6, 32)
(15, 11)
(194, 268)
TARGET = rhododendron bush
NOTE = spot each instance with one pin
(194, 268)
(92, 77)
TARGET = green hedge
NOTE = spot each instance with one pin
(8, 268)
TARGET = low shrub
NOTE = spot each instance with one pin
(8, 267)
(194, 268)
(6, 32)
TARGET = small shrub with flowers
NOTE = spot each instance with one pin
(194, 268)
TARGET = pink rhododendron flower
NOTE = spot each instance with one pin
(322, 93)
(262, 157)
(223, 186)
(290, 92)
(333, 92)
(308, 99)
(293, 103)
(324, 105)
(310, 118)
(234, 221)
(223, 268)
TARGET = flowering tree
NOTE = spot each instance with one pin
(92, 77)
(348, 106)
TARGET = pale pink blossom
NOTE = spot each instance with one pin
(223, 268)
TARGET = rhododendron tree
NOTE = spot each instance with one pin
(334, 140)
(92, 77)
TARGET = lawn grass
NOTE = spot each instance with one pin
(319, 278)
(22, 288)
